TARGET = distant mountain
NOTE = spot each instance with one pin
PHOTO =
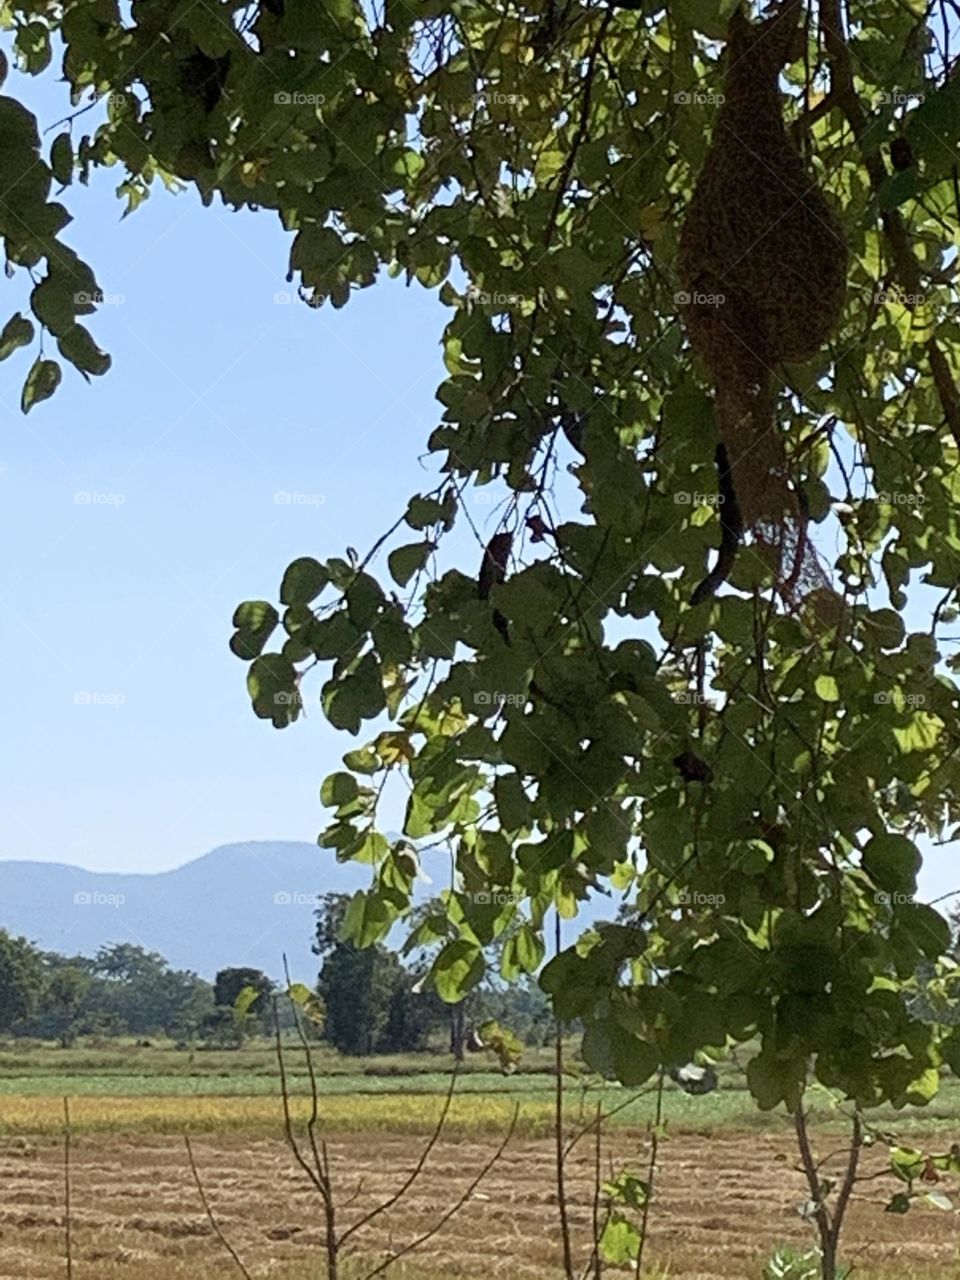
(241, 904)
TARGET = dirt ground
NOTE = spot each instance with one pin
(723, 1204)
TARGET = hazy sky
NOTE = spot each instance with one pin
(138, 511)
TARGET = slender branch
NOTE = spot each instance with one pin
(417, 1169)
(67, 1212)
(651, 1175)
(597, 1230)
(287, 1118)
(209, 1211)
(558, 1133)
(849, 1179)
(455, 1208)
(821, 1213)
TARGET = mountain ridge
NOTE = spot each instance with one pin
(245, 903)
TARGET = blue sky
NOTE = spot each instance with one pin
(138, 511)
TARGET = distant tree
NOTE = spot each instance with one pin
(371, 1000)
(242, 1003)
(65, 1000)
(145, 995)
(21, 979)
(230, 982)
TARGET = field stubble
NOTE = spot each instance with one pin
(724, 1201)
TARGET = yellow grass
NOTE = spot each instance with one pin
(410, 1114)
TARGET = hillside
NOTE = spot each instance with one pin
(240, 904)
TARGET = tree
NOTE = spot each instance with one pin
(244, 995)
(21, 979)
(230, 982)
(65, 998)
(371, 1004)
(752, 772)
(142, 993)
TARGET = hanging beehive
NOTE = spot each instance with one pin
(763, 262)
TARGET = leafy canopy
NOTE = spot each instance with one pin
(752, 780)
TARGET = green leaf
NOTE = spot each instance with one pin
(457, 970)
(255, 621)
(339, 789)
(827, 689)
(620, 1241)
(17, 332)
(303, 581)
(892, 863)
(42, 381)
(356, 696)
(406, 561)
(61, 159)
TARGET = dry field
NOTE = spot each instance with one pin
(724, 1202)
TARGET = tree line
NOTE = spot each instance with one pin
(366, 1001)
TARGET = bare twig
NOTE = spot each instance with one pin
(558, 1135)
(412, 1177)
(651, 1175)
(454, 1209)
(209, 1212)
(67, 1214)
